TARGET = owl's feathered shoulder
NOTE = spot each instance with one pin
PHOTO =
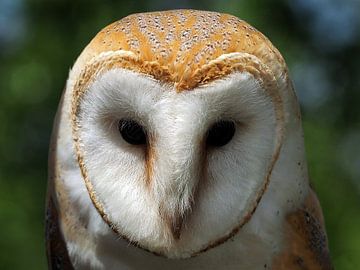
(306, 241)
(57, 253)
(56, 248)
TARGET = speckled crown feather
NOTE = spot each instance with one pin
(180, 46)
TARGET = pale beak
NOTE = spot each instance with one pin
(175, 223)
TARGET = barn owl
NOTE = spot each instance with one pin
(178, 145)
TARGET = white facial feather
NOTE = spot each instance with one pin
(261, 234)
(218, 198)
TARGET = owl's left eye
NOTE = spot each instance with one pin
(132, 132)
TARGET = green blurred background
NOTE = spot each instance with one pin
(40, 40)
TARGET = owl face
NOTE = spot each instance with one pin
(176, 155)
(174, 170)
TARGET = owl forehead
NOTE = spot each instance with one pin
(175, 36)
(175, 46)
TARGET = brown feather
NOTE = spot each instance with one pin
(306, 242)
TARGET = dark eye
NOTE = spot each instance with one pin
(132, 132)
(220, 133)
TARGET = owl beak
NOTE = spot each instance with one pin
(174, 219)
(175, 226)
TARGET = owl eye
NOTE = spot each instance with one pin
(220, 133)
(132, 132)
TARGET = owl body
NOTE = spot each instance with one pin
(178, 145)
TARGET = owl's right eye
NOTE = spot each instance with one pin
(132, 132)
(220, 133)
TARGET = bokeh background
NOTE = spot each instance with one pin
(40, 40)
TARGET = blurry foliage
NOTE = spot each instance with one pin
(40, 40)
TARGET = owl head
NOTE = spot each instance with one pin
(182, 123)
